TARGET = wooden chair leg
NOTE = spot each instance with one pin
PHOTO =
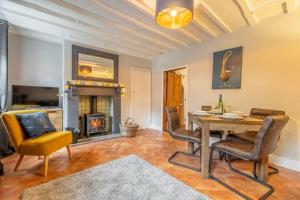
(46, 158)
(19, 162)
(69, 151)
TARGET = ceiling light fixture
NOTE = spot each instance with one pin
(174, 14)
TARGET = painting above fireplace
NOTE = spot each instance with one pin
(90, 64)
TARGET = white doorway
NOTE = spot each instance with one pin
(141, 96)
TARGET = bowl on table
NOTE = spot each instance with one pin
(201, 113)
(241, 113)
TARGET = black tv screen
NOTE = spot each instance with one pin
(35, 96)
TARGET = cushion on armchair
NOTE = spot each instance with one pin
(35, 124)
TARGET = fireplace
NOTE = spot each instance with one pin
(94, 123)
(95, 115)
(84, 100)
(102, 94)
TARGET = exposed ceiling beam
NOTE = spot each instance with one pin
(267, 4)
(128, 26)
(214, 17)
(39, 13)
(138, 23)
(204, 28)
(246, 11)
(89, 17)
(56, 21)
(67, 34)
(151, 13)
(289, 6)
(34, 34)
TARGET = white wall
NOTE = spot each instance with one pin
(270, 77)
(33, 62)
(42, 63)
(125, 63)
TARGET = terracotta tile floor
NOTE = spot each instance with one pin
(152, 146)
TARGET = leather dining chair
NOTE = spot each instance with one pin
(192, 137)
(250, 136)
(265, 143)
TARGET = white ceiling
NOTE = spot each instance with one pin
(128, 26)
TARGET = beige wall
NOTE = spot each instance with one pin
(270, 77)
(125, 63)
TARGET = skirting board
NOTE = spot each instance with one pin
(156, 127)
(285, 162)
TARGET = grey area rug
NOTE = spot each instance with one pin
(129, 178)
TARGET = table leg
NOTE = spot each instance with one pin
(262, 169)
(205, 151)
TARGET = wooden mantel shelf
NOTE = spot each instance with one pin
(81, 83)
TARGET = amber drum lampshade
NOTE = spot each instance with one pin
(174, 14)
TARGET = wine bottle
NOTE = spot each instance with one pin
(221, 105)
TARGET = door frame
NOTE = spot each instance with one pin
(162, 93)
(131, 89)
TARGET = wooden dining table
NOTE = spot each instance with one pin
(214, 122)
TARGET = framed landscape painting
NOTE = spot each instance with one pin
(227, 69)
(94, 65)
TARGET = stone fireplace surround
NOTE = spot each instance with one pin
(73, 103)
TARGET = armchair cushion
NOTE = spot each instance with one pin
(46, 144)
(35, 124)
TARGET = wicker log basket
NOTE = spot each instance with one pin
(129, 127)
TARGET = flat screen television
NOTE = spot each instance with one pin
(35, 96)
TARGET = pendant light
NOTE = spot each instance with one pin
(174, 14)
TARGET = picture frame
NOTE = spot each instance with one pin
(227, 68)
(94, 65)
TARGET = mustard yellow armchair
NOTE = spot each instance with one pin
(40, 146)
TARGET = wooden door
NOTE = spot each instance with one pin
(173, 95)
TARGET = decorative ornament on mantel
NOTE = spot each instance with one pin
(94, 84)
(173, 14)
(73, 83)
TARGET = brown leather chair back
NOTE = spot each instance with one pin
(173, 118)
(261, 113)
(206, 108)
(267, 138)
